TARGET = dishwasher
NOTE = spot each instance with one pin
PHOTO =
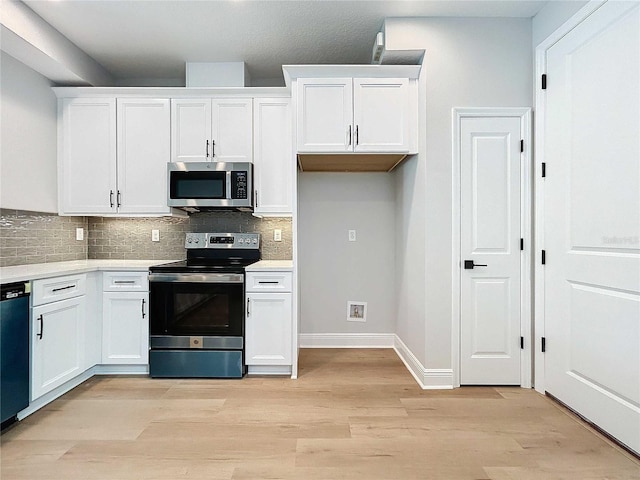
(14, 350)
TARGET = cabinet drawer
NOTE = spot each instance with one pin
(269, 281)
(125, 281)
(58, 288)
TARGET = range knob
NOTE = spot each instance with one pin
(197, 240)
(189, 240)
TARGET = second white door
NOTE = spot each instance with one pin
(490, 242)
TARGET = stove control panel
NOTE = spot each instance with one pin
(223, 240)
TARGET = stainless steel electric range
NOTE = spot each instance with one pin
(197, 317)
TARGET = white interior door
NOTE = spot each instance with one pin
(490, 209)
(592, 220)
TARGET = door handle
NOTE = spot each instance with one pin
(143, 312)
(248, 304)
(468, 265)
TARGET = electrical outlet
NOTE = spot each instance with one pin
(80, 233)
(155, 235)
(352, 235)
(277, 235)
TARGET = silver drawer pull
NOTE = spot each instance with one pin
(63, 288)
(124, 282)
(268, 283)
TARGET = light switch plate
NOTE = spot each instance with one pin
(352, 235)
(277, 235)
(80, 233)
(155, 235)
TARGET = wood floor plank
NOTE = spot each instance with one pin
(352, 414)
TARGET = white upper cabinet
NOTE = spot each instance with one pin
(325, 115)
(359, 115)
(113, 156)
(273, 157)
(143, 154)
(381, 114)
(190, 129)
(87, 156)
(211, 129)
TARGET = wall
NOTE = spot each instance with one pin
(31, 237)
(468, 62)
(28, 133)
(552, 16)
(333, 270)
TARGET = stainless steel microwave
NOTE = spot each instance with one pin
(209, 185)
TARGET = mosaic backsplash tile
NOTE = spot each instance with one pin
(33, 237)
(130, 238)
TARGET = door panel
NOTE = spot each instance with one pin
(490, 236)
(592, 226)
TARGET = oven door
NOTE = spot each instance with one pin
(196, 305)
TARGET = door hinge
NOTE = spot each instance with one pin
(544, 81)
(544, 257)
(544, 344)
(544, 169)
(521, 343)
(522, 244)
(521, 145)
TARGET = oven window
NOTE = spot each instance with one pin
(194, 185)
(196, 309)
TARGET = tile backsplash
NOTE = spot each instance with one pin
(33, 237)
(130, 238)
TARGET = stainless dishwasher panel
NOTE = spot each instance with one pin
(14, 350)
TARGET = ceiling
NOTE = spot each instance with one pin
(152, 39)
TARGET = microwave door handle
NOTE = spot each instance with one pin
(228, 192)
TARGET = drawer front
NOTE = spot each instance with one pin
(58, 288)
(269, 281)
(125, 281)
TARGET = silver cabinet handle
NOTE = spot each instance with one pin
(207, 148)
(349, 135)
(111, 198)
(118, 197)
(124, 282)
(268, 283)
(248, 309)
(357, 136)
(143, 312)
(213, 148)
(256, 198)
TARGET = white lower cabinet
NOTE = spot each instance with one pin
(57, 340)
(268, 330)
(125, 319)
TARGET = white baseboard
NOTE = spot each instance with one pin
(121, 370)
(346, 340)
(269, 370)
(427, 378)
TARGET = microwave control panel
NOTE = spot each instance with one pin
(239, 185)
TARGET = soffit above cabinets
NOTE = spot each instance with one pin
(349, 162)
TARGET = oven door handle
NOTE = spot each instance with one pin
(197, 277)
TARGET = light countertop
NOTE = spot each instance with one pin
(22, 273)
(277, 265)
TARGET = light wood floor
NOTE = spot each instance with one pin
(352, 414)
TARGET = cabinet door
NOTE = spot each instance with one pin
(87, 156)
(57, 344)
(190, 130)
(125, 328)
(232, 130)
(268, 329)
(273, 156)
(143, 154)
(381, 115)
(325, 115)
